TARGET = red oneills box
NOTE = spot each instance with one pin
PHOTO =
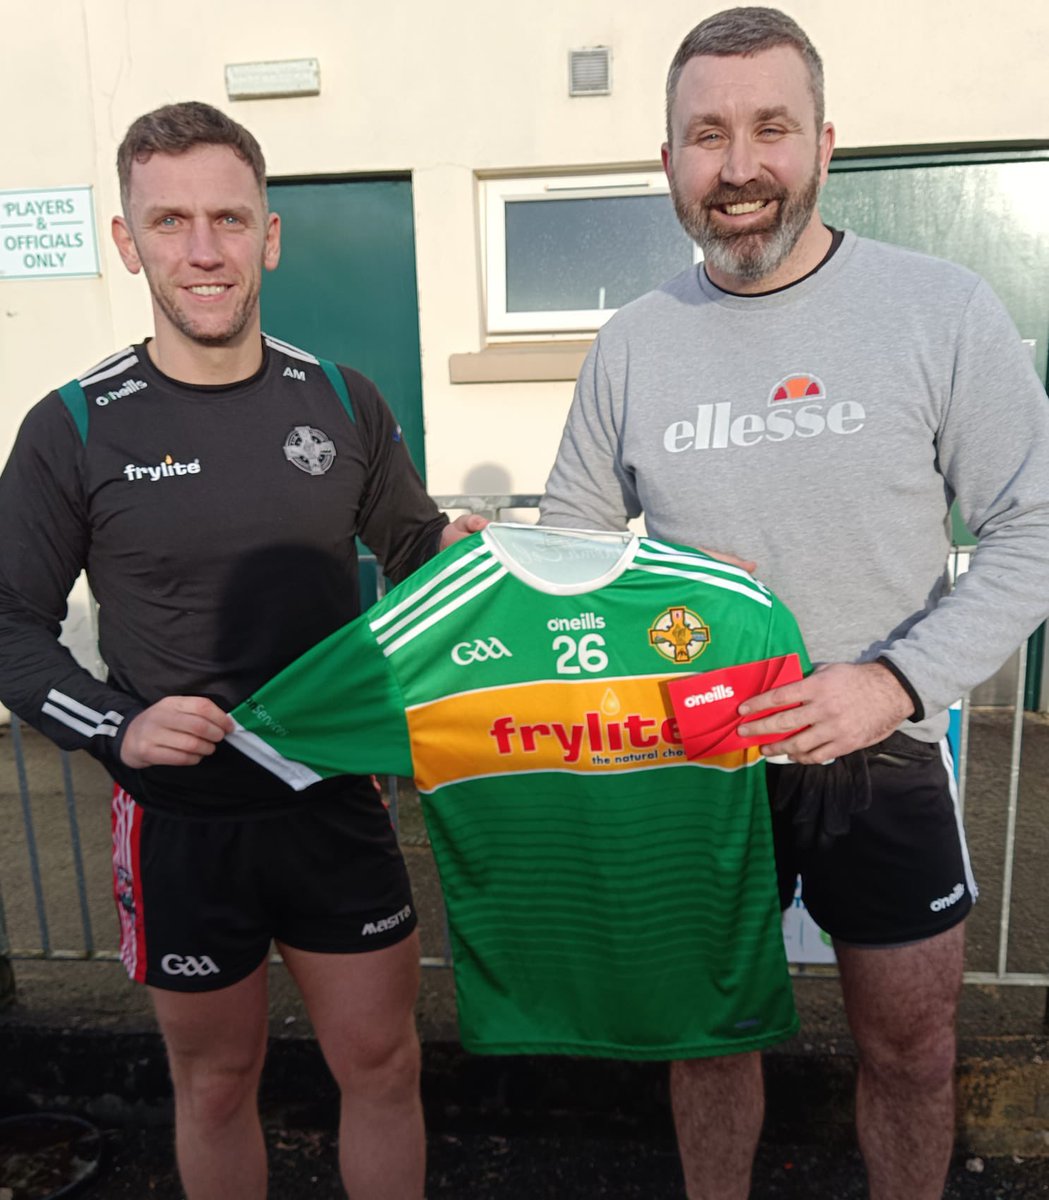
(706, 705)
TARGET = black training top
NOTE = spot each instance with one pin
(217, 526)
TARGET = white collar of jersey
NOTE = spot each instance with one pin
(561, 562)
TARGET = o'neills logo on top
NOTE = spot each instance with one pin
(163, 470)
(128, 388)
(797, 406)
(720, 691)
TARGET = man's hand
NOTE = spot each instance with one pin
(843, 706)
(461, 527)
(177, 731)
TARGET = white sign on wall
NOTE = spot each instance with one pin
(47, 233)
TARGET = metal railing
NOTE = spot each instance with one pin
(84, 889)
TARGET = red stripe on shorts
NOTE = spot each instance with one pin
(127, 882)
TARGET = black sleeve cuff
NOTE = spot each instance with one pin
(905, 683)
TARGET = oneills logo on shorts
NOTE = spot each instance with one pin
(720, 691)
(679, 634)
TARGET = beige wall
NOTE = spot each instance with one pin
(444, 90)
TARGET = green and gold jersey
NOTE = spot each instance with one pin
(605, 896)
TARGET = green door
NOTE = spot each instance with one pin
(345, 287)
(987, 211)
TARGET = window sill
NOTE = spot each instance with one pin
(520, 362)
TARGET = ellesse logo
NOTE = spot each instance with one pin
(797, 387)
(797, 406)
(188, 964)
(479, 650)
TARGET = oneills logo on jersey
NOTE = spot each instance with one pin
(797, 406)
(128, 388)
(167, 469)
(309, 449)
(679, 634)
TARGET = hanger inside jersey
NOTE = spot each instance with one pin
(561, 560)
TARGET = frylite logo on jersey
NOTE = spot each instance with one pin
(311, 450)
(128, 388)
(797, 406)
(479, 650)
(633, 738)
(188, 964)
(167, 469)
(390, 922)
(679, 634)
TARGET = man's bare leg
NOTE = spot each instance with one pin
(719, 1105)
(216, 1044)
(901, 1004)
(362, 1008)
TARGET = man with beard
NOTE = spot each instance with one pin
(213, 480)
(815, 401)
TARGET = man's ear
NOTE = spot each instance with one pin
(271, 251)
(125, 244)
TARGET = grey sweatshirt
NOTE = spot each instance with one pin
(824, 430)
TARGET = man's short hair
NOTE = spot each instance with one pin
(747, 31)
(176, 128)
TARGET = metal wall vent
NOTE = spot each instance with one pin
(590, 72)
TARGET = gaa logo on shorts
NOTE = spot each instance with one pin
(478, 651)
(309, 449)
(187, 964)
(679, 634)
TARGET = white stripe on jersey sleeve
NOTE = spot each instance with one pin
(460, 564)
(95, 375)
(288, 349)
(660, 552)
(727, 585)
(456, 585)
(458, 602)
(69, 711)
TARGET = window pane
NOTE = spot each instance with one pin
(590, 253)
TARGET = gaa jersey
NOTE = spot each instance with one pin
(605, 895)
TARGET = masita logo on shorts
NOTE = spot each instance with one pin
(957, 892)
(167, 469)
(188, 964)
(797, 406)
(391, 922)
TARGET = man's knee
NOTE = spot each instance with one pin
(214, 1093)
(381, 1065)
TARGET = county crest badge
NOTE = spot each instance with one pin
(679, 634)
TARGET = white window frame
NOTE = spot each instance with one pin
(497, 193)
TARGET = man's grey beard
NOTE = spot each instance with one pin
(749, 256)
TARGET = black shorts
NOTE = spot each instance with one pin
(901, 873)
(200, 899)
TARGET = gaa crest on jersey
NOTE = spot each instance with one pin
(311, 450)
(679, 634)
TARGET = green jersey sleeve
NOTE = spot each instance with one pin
(337, 710)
